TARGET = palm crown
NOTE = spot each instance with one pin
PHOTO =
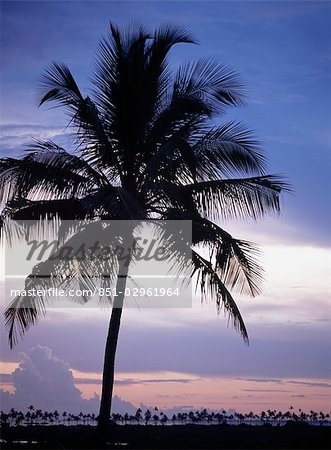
(146, 148)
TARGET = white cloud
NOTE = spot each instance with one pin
(46, 382)
(15, 137)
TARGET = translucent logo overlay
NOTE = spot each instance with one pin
(118, 263)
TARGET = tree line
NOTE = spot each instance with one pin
(35, 416)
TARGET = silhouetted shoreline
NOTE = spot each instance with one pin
(290, 436)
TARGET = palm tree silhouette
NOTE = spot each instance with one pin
(148, 416)
(148, 147)
(138, 416)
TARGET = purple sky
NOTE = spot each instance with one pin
(282, 50)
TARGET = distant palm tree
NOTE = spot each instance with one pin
(138, 416)
(148, 145)
(148, 416)
(164, 419)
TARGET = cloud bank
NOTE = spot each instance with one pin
(46, 382)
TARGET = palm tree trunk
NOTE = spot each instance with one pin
(110, 352)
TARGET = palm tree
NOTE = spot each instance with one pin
(148, 416)
(148, 145)
(156, 419)
(138, 416)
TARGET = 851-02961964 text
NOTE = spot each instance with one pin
(140, 292)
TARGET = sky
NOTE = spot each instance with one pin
(189, 357)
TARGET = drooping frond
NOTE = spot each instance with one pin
(65, 271)
(235, 260)
(10, 231)
(46, 172)
(22, 313)
(211, 287)
(51, 154)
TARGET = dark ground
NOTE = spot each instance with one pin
(290, 436)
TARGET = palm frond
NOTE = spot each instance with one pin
(235, 259)
(157, 73)
(227, 150)
(201, 90)
(212, 288)
(59, 86)
(49, 153)
(65, 209)
(10, 231)
(94, 141)
(165, 194)
(8, 170)
(115, 203)
(129, 103)
(216, 84)
(174, 159)
(61, 271)
(252, 197)
(177, 113)
(41, 176)
(22, 313)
